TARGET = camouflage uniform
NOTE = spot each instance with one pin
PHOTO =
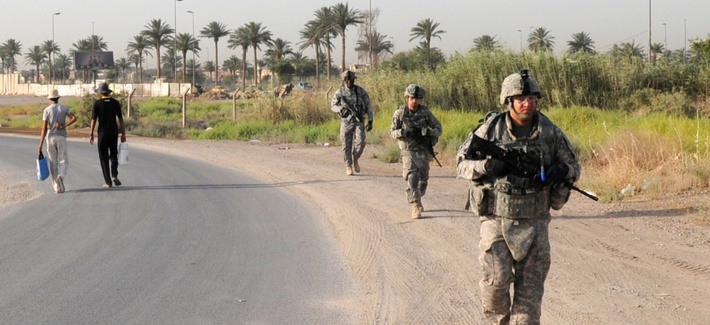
(415, 154)
(514, 216)
(350, 128)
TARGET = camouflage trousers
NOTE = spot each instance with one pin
(415, 170)
(500, 269)
(352, 136)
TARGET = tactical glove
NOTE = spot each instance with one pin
(368, 128)
(344, 112)
(557, 173)
(496, 167)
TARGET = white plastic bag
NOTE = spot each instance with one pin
(123, 154)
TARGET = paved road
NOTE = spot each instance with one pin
(181, 242)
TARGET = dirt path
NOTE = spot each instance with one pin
(642, 262)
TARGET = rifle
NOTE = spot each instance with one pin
(524, 165)
(419, 138)
(430, 147)
(351, 109)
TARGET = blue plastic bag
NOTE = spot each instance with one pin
(42, 167)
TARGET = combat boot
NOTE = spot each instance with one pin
(348, 170)
(416, 213)
(356, 166)
(421, 207)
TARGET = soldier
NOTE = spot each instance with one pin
(514, 211)
(352, 103)
(417, 131)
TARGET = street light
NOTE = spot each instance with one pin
(369, 32)
(685, 37)
(521, 40)
(92, 36)
(665, 36)
(175, 42)
(50, 52)
(650, 53)
(192, 84)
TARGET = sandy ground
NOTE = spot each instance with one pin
(637, 262)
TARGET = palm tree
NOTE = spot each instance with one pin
(171, 61)
(276, 54)
(486, 43)
(540, 40)
(185, 42)
(343, 18)
(311, 37)
(158, 34)
(631, 51)
(63, 62)
(137, 62)
(278, 49)
(122, 64)
(257, 35)
(209, 67)
(379, 44)
(36, 56)
(581, 42)
(240, 38)
(232, 64)
(326, 30)
(215, 31)
(12, 48)
(138, 47)
(50, 47)
(97, 43)
(425, 30)
(656, 49)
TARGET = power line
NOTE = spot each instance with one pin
(626, 39)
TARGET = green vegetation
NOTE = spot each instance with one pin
(634, 125)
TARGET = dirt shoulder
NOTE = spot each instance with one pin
(642, 262)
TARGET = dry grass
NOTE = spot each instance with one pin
(634, 163)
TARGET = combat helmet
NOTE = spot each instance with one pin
(517, 84)
(348, 75)
(414, 91)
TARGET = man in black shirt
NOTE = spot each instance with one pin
(106, 110)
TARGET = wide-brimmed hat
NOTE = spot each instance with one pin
(103, 89)
(53, 95)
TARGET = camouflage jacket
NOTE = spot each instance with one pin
(358, 97)
(421, 119)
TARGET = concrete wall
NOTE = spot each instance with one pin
(10, 85)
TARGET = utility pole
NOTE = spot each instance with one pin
(192, 84)
(51, 73)
(650, 53)
(175, 43)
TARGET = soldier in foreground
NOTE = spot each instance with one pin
(513, 204)
(417, 131)
(352, 103)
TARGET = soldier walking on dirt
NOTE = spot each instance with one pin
(352, 103)
(417, 131)
(514, 210)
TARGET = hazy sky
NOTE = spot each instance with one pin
(606, 21)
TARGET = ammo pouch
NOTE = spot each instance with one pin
(559, 194)
(520, 203)
(481, 198)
